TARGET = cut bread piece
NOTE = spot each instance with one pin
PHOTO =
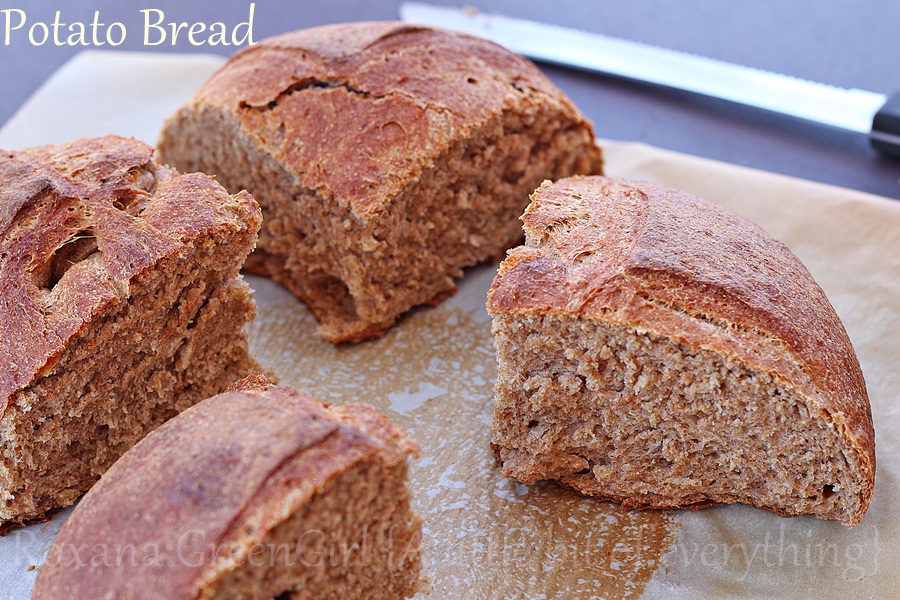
(657, 350)
(253, 494)
(121, 305)
(386, 157)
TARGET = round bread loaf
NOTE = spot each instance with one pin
(659, 351)
(257, 493)
(386, 157)
(120, 305)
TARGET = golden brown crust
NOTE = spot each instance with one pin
(206, 481)
(418, 77)
(59, 204)
(662, 261)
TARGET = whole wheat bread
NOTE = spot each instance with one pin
(657, 350)
(257, 493)
(386, 158)
(120, 305)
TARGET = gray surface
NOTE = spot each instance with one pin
(850, 44)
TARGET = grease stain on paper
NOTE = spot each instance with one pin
(483, 534)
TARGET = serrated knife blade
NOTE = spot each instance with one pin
(871, 113)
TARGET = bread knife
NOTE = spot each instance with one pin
(876, 115)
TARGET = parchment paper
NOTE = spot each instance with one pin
(489, 537)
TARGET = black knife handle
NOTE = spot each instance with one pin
(885, 136)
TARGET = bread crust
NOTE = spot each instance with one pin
(365, 59)
(207, 485)
(664, 262)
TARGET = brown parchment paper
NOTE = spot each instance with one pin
(490, 537)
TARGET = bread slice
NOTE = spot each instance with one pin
(386, 158)
(120, 305)
(657, 350)
(253, 494)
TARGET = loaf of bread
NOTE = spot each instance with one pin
(657, 350)
(258, 493)
(386, 158)
(121, 304)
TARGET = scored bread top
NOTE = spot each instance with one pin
(77, 222)
(665, 262)
(314, 97)
(208, 484)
